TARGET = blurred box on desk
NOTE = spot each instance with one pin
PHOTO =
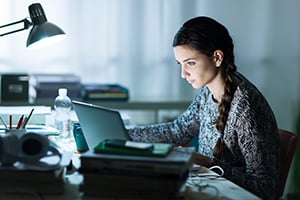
(14, 87)
(46, 85)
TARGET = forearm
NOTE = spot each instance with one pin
(202, 160)
(171, 132)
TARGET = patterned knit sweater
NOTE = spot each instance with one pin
(251, 137)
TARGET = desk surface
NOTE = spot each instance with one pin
(206, 186)
(201, 187)
(135, 104)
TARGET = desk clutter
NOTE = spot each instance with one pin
(40, 181)
(117, 176)
(31, 163)
(38, 88)
(112, 175)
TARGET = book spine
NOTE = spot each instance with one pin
(107, 95)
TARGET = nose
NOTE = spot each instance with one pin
(184, 73)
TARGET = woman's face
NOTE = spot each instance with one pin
(198, 69)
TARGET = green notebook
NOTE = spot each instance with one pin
(159, 149)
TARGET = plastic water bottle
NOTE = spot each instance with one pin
(63, 123)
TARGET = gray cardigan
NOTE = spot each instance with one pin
(251, 137)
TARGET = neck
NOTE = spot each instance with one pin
(217, 99)
(217, 88)
(218, 92)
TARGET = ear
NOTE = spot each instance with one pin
(218, 57)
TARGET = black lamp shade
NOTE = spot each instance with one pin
(43, 33)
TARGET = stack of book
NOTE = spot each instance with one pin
(40, 181)
(112, 175)
(46, 86)
(105, 92)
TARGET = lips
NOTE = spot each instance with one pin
(190, 81)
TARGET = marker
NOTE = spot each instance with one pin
(20, 122)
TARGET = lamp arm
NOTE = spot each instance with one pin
(26, 22)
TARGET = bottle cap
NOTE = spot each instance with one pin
(62, 92)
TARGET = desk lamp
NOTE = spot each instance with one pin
(43, 32)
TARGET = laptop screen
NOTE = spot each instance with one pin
(99, 123)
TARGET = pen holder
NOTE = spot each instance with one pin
(17, 132)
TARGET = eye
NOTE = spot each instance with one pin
(191, 63)
(178, 63)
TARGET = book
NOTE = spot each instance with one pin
(159, 149)
(131, 186)
(98, 91)
(176, 163)
(130, 181)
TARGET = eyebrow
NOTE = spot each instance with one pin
(185, 60)
(188, 59)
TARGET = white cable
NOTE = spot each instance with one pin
(219, 168)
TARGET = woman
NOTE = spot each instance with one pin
(234, 123)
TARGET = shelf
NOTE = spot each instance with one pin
(127, 105)
(132, 105)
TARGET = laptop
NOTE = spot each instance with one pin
(99, 123)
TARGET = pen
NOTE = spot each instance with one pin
(10, 121)
(24, 121)
(3, 122)
(20, 122)
(27, 118)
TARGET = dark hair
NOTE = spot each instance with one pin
(206, 35)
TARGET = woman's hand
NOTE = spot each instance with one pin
(202, 160)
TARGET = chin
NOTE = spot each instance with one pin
(196, 86)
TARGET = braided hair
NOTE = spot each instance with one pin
(206, 35)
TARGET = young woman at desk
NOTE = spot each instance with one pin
(234, 123)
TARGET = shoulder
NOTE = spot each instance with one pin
(250, 104)
(248, 96)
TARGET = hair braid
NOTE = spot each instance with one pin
(224, 108)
